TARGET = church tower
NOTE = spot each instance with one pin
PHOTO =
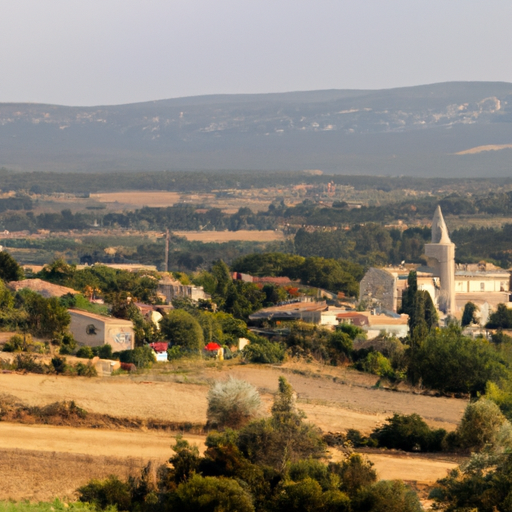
(441, 256)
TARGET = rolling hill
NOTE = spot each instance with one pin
(427, 130)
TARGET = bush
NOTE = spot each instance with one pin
(305, 495)
(19, 343)
(282, 438)
(103, 351)
(355, 473)
(261, 350)
(480, 425)
(59, 364)
(176, 353)
(141, 357)
(85, 370)
(409, 433)
(67, 343)
(85, 352)
(377, 364)
(105, 493)
(29, 364)
(232, 404)
(388, 496)
(206, 494)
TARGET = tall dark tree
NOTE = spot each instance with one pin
(468, 316)
(9, 268)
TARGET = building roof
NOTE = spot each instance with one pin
(101, 318)
(439, 230)
(42, 287)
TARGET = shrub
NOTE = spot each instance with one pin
(261, 350)
(105, 493)
(377, 364)
(85, 352)
(388, 496)
(305, 495)
(355, 472)
(205, 494)
(480, 425)
(282, 438)
(409, 433)
(85, 370)
(59, 364)
(177, 352)
(233, 403)
(67, 343)
(103, 351)
(310, 468)
(141, 357)
(29, 364)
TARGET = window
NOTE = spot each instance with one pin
(91, 329)
(482, 287)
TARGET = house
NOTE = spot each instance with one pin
(172, 289)
(160, 350)
(310, 312)
(97, 330)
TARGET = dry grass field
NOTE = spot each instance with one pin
(42, 476)
(139, 198)
(333, 398)
(230, 236)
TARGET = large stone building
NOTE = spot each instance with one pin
(451, 286)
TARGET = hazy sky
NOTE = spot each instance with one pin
(90, 52)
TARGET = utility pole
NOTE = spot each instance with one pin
(166, 267)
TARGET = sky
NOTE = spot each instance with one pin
(103, 52)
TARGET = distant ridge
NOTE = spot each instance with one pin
(428, 130)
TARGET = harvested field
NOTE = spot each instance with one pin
(141, 198)
(55, 461)
(42, 476)
(334, 399)
(230, 236)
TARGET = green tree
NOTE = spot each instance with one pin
(182, 329)
(388, 496)
(9, 268)
(47, 318)
(480, 425)
(449, 361)
(211, 494)
(501, 318)
(282, 438)
(468, 316)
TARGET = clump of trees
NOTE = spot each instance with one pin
(273, 464)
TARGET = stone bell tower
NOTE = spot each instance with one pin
(441, 256)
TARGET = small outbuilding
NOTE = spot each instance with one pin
(97, 330)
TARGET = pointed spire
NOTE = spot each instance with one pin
(439, 230)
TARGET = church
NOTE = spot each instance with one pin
(451, 286)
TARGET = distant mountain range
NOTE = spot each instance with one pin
(456, 129)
